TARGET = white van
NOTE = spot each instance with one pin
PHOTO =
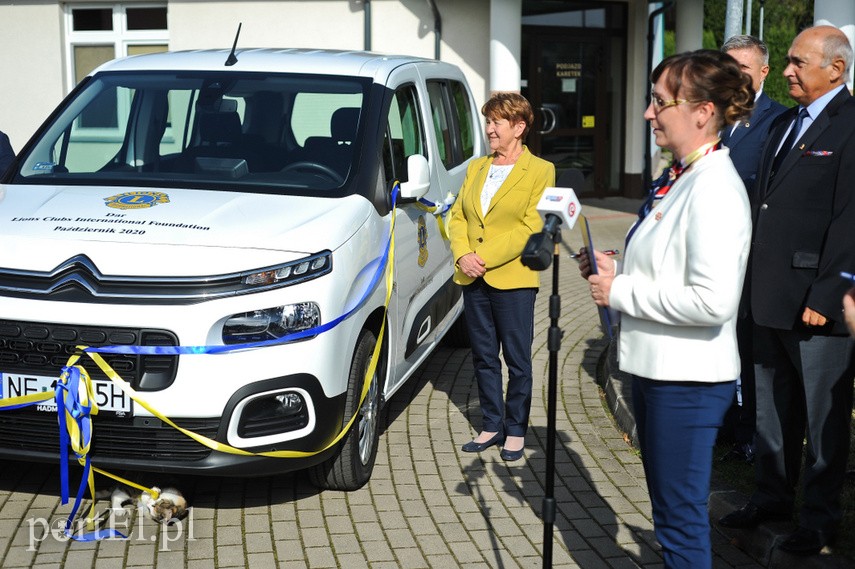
(241, 208)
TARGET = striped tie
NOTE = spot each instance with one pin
(789, 142)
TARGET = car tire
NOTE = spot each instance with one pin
(458, 335)
(351, 467)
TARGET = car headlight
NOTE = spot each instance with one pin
(291, 273)
(271, 323)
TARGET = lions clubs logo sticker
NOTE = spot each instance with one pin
(423, 239)
(136, 200)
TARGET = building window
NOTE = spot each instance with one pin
(96, 35)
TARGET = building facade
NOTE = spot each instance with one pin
(584, 65)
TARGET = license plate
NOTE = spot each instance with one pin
(109, 397)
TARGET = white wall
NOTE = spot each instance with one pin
(329, 24)
(32, 40)
(637, 86)
(31, 69)
(689, 34)
(841, 14)
(397, 26)
(505, 45)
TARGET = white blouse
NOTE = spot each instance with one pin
(495, 178)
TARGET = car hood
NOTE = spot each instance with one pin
(122, 229)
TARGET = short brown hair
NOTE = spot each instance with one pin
(512, 107)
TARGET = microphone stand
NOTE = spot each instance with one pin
(554, 336)
(535, 256)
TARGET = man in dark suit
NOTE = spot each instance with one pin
(745, 140)
(804, 212)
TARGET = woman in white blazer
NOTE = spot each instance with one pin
(678, 292)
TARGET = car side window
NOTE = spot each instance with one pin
(441, 127)
(463, 114)
(404, 134)
(451, 114)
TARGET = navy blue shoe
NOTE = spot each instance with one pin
(472, 446)
(511, 455)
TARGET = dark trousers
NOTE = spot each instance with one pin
(677, 425)
(501, 318)
(739, 423)
(804, 391)
(747, 417)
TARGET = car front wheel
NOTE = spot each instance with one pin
(351, 468)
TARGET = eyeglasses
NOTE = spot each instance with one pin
(659, 104)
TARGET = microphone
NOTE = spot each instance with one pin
(557, 207)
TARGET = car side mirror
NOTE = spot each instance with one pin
(418, 174)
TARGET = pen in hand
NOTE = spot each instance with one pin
(606, 252)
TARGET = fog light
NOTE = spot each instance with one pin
(273, 414)
(290, 403)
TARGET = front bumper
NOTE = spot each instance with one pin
(148, 444)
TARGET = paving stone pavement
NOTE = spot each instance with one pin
(428, 504)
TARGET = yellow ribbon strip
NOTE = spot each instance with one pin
(222, 447)
(88, 395)
(26, 399)
(439, 210)
(86, 392)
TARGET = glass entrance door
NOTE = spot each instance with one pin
(571, 84)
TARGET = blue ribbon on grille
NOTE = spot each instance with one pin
(179, 350)
(70, 407)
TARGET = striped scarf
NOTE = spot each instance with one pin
(662, 185)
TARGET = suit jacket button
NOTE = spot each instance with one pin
(764, 206)
(480, 240)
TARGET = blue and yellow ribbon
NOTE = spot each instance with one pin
(76, 403)
(438, 210)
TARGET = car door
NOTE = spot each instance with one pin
(424, 298)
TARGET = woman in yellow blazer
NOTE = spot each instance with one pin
(493, 217)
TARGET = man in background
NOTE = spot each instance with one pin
(803, 208)
(745, 140)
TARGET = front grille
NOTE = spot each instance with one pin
(27, 430)
(42, 349)
(79, 280)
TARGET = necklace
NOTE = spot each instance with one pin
(498, 170)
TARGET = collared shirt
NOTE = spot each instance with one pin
(814, 110)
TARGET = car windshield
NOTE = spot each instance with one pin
(281, 133)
